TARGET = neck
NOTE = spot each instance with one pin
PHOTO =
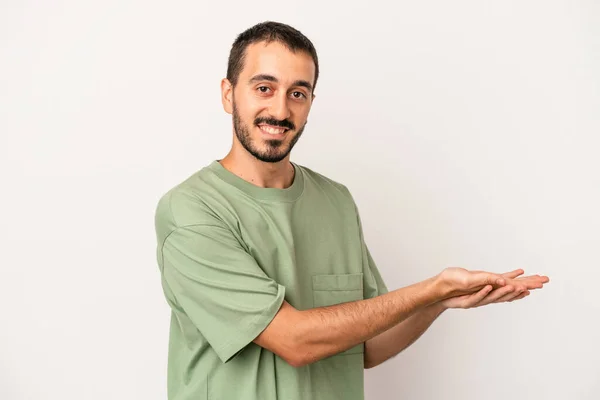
(279, 175)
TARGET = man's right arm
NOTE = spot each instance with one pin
(304, 337)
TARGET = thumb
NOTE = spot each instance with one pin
(487, 278)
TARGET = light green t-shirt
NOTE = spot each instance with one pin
(229, 253)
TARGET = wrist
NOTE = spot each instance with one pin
(440, 288)
(439, 307)
(432, 292)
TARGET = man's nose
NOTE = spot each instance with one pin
(279, 108)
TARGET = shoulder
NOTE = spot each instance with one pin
(187, 203)
(325, 183)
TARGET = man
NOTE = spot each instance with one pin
(273, 291)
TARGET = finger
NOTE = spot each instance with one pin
(476, 298)
(537, 278)
(510, 274)
(529, 282)
(487, 278)
(513, 274)
(509, 296)
(512, 296)
(494, 296)
(519, 297)
(542, 279)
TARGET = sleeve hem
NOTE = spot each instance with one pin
(252, 329)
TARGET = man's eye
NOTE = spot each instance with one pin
(263, 89)
(298, 95)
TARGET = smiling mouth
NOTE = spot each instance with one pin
(273, 130)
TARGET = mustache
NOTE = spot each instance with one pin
(272, 121)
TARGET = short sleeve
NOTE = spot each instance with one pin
(373, 283)
(219, 286)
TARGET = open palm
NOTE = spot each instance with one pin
(515, 289)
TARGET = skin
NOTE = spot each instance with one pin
(274, 90)
(272, 85)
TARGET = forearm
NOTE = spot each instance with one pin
(391, 342)
(325, 331)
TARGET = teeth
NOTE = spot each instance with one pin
(272, 131)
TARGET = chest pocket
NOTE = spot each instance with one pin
(329, 290)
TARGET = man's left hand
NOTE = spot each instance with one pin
(515, 289)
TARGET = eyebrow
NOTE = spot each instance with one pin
(271, 78)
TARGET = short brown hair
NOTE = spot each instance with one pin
(268, 31)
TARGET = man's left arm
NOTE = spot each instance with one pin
(391, 342)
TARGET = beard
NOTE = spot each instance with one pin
(275, 150)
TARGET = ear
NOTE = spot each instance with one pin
(227, 95)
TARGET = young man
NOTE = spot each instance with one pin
(273, 291)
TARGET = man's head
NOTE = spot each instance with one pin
(269, 89)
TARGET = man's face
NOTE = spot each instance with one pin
(272, 99)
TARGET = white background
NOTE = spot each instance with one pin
(468, 132)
